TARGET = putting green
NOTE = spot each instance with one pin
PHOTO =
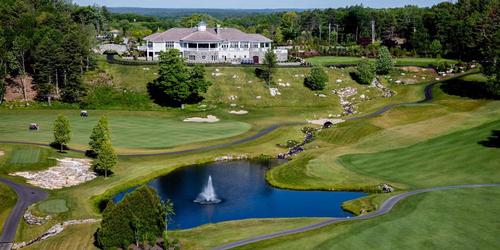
(25, 156)
(146, 130)
(53, 206)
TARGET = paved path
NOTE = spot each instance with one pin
(25, 197)
(385, 208)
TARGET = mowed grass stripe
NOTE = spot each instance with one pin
(455, 158)
(129, 129)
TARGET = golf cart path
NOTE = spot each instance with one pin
(28, 196)
(427, 98)
(25, 197)
(385, 208)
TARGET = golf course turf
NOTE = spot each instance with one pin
(356, 155)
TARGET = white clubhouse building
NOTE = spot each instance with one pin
(211, 45)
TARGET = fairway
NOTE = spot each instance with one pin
(129, 129)
(453, 219)
(456, 158)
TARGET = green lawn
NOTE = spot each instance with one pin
(455, 158)
(408, 61)
(453, 219)
(129, 129)
(8, 200)
(26, 158)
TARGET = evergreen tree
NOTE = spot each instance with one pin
(317, 79)
(365, 72)
(106, 158)
(436, 48)
(140, 215)
(384, 62)
(62, 131)
(100, 133)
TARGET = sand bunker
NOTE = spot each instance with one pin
(68, 172)
(209, 119)
(321, 122)
(239, 112)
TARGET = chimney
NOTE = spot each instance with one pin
(217, 28)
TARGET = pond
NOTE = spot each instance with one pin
(243, 193)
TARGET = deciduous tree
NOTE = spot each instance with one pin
(62, 131)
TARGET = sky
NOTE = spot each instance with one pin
(256, 4)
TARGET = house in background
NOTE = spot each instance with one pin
(212, 45)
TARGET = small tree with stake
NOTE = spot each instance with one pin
(106, 159)
(62, 131)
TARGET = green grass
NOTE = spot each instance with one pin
(348, 133)
(453, 219)
(409, 61)
(53, 206)
(129, 129)
(8, 197)
(455, 158)
(26, 158)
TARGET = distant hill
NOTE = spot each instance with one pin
(173, 13)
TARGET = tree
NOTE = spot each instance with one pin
(278, 36)
(100, 133)
(62, 131)
(384, 62)
(436, 48)
(317, 79)
(365, 72)
(141, 213)
(106, 158)
(270, 62)
(177, 84)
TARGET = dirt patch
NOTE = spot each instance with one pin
(208, 119)
(415, 69)
(68, 172)
(1, 153)
(14, 89)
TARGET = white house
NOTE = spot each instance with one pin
(211, 45)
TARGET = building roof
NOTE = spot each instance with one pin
(211, 34)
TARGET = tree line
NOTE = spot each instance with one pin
(50, 41)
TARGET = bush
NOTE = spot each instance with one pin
(317, 79)
(105, 96)
(365, 72)
(442, 65)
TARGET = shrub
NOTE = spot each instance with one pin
(365, 72)
(384, 62)
(317, 79)
(442, 65)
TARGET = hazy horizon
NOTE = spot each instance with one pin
(256, 4)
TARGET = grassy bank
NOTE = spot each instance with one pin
(425, 221)
(406, 61)
(8, 197)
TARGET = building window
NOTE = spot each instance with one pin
(192, 45)
(255, 45)
(234, 45)
(245, 45)
(225, 45)
(203, 57)
(203, 45)
(213, 45)
(157, 53)
(169, 45)
(150, 44)
(215, 58)
(192, 57)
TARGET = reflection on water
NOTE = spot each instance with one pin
(244, 193)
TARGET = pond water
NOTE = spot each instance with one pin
(244, 193)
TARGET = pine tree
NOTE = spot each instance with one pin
(384, 62)
(317, 80)
(100, 133)
(62, 131)
(106, 158)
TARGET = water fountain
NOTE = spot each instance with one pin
(208, 196)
